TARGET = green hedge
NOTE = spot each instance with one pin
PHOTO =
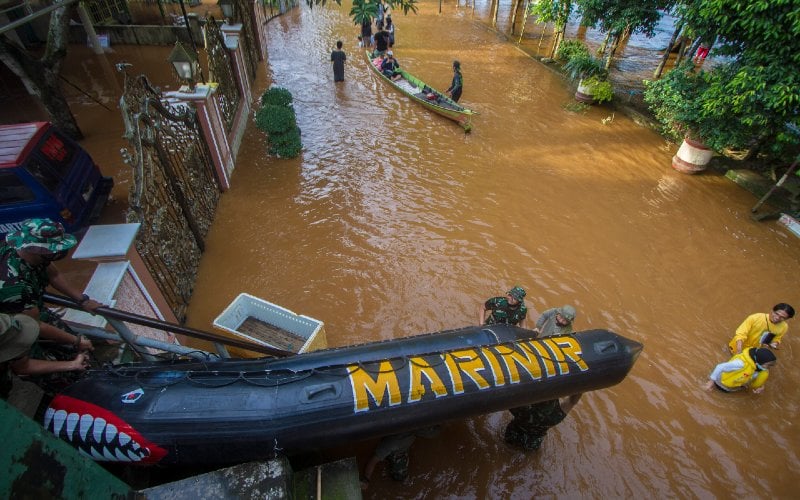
(276, 117)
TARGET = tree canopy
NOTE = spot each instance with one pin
(753, 96)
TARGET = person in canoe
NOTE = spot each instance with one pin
(458, 82)
(390, 67)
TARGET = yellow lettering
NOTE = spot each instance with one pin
(545, 356)
(497, 371)
(513, 358)
(366, 388)
(419, 368)
(467, 362)
(571, 348)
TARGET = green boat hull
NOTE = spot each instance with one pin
(427, 96)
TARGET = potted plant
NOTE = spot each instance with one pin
(676, 101)
(593, 86)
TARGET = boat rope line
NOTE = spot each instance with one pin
(211, 378)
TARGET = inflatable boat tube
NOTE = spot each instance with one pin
(231, 411)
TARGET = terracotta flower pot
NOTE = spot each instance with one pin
(692, 157)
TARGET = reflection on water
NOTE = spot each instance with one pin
(394, 222)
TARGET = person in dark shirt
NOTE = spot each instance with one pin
(458, 82)
(381, 41)
(338, 58)
(366, 33)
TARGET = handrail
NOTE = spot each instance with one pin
(158, 324)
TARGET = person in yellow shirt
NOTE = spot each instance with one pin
(762, 329)
(746, 370)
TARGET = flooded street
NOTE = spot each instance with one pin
(393, 222)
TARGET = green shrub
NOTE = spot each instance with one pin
(571, 48)
(601, 89)
(582, 66)
(277, 96)
(286, 145)
(274, 119)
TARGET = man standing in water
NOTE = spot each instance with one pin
(458, 82)
(531, 423)
(509, 310)
(556, 321)
(338, 58)
(762, 329)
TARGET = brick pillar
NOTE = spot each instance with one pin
(232, 33)
(213, 128)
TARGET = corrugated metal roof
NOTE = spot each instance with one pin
(15, 141)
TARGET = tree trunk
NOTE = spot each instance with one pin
(660, 69)
(611, 51)
(681, 50)
(524, 22)
(494, 13)
(41, 76)
(602, 48)
(514, 10)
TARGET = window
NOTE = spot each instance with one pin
(44, 174)
(58, 153)
(13, 190)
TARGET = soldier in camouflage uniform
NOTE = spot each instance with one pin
(26, 270)
(394, 450)
(530, 423)
(510, 309)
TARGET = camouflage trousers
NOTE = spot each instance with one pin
(530, 424)
(397, 465)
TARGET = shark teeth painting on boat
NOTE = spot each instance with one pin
(97, 433)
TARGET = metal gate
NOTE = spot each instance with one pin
(221, 71)
(175, 191)
(243, 13)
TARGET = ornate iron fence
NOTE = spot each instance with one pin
(174, 192)
(221, 69)
(243, 13)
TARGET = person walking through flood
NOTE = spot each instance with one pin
(393, 449)
(454, 91)
(747, 370)
(531, 422)
(762, 329)
(510, 309)
(556, 321)
(338, 57)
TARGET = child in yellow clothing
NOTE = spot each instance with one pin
(748, 369)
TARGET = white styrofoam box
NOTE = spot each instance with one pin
(248, 306)
(790, 223)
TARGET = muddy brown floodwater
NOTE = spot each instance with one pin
(393, 222)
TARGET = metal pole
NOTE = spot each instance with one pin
(109, 312)
(180, 350)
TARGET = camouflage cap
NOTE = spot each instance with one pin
(41, 236)
(518, 293)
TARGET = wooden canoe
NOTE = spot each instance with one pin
(427, 96)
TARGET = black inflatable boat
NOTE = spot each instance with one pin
(235, 410)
